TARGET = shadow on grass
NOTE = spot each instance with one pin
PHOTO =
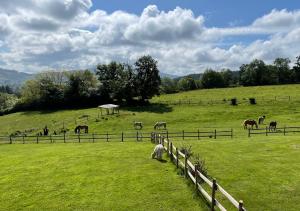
(153, 108)
(162, 161)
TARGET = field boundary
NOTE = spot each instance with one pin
(266, 131)
(192, 172)
(109, 136)
(226, 101)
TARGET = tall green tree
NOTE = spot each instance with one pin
(187, 83)
(81, 85)
(168, 85)
(296, 69)
(147, 77)
(255, 73)
(285, 74)
(212, 79)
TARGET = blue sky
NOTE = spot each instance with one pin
(184, 36)
(218, 13)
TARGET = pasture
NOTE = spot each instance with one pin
(261, 170)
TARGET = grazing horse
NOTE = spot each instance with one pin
(81, 127)
(272, 126)
(250, 122)
(138, 125)
(158, 152)
(158, 125)
(261, 119)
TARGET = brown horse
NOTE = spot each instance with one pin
(250, 122)
(272, 126)
(81, 127)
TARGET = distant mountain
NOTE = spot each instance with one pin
(13, 77)
(166, 75)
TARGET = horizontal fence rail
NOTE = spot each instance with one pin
(192, 172)
(227, 101)
(266, 131)
(110, 136)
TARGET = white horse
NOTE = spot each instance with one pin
(159, 125)
(138, 125)
(158, 151)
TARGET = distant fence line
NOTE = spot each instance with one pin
(266, 131)
(225, 101)
(108, 136)
(192, 171)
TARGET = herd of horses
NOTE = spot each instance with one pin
(252, 122)
(158, 125)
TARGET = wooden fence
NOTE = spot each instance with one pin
(192, 171)
(266, 131)
(109, 136)
(184, 135)
(226, 101)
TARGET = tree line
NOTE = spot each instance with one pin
(256, 73)
(113, 82)
(134, 84)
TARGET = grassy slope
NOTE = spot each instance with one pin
(101, 176)
(254, 156)
(263, 171)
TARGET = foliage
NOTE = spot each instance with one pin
(187, 83)
(212, 79)
(147, 77)
(168, 86)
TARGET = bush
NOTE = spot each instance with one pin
(187, 150)
(201, 165)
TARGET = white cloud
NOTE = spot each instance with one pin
(44, 34)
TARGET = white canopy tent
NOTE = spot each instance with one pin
(114, 108)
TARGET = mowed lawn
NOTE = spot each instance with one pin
(100, 176)
(263, 171)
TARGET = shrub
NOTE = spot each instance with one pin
(187, 150)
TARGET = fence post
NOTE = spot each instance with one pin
(137, 135)
(231, 134)
(78, 137)
(171, 151)
(266, 130)
(198, 134)
(196, 176)
(10, 140)
(168, 147)
(213, 194)
(215, 134)
(23, 139)
(123, 136)
(64, 137)
(93, 135)
(37, 139)
(177, 154)
(106, 136)
(249, 134)
(241, 205)
(284, 130)
(167, 134)
(182, 134)
(185, 166)
(50, 138)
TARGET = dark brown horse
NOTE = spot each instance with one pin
(250, 122)
(81, 127)
(272, 126)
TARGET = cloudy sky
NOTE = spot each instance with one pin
(185, 36)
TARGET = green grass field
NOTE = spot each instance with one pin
(100, 176)
(261, 170)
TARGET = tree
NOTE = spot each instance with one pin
(296, 69)
(255, 73)
(147, 77)
(285, 74)
(212, 79)
(81, 85)
(187, 83)
(168, 86)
